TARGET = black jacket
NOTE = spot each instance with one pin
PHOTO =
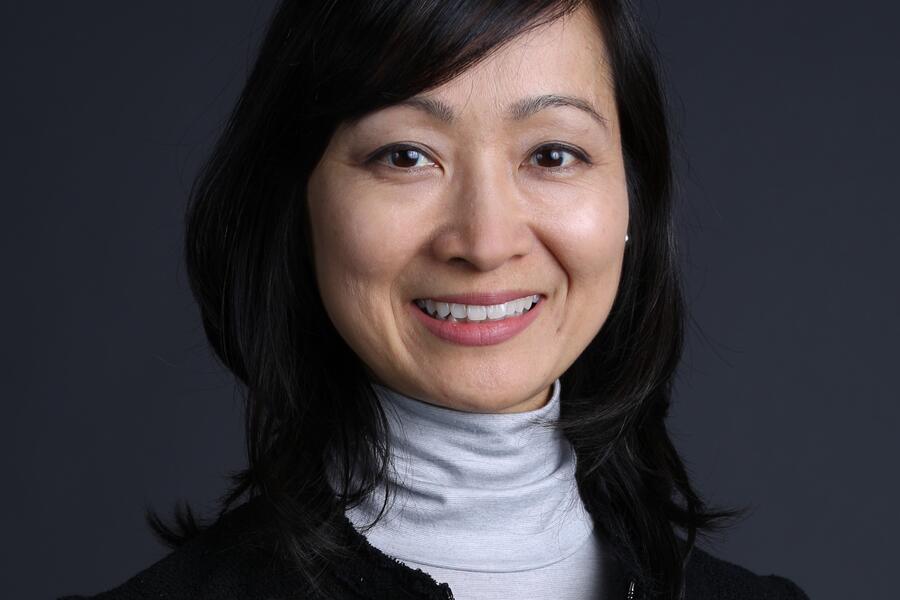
(230, 560)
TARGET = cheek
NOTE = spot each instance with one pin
(587, 240)
(592, 248)
(361, 247)
(587, 231)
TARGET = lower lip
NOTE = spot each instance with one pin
(478, 333)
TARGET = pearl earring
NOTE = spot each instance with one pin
(626, 237)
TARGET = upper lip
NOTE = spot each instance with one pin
(482, 298)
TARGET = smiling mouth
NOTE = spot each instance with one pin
(473, 313)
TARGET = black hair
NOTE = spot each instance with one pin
(309, 403)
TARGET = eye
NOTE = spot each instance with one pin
(403, 157)
(556, 157)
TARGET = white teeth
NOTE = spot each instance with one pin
(496, 311)
(477, 312)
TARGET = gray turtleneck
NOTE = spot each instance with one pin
(485, 502)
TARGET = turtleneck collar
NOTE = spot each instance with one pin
(476, 491)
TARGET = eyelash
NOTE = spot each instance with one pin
(580, 156)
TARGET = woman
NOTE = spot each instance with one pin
(434, 243)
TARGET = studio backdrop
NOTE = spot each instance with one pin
(786, 129)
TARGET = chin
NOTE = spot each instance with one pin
(485, 392)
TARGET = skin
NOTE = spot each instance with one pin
(483, 207)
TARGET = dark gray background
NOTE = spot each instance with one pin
(786, 126)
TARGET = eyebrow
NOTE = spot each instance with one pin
(518, 111)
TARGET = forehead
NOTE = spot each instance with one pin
(566, 58)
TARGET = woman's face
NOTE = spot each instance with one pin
(505, 184)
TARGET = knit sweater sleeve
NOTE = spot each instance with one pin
(787, 588)
(226, 560)
(711, 577)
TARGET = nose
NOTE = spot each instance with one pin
(486, 223)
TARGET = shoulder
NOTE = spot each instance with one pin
(227, 560)
(711, 577)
